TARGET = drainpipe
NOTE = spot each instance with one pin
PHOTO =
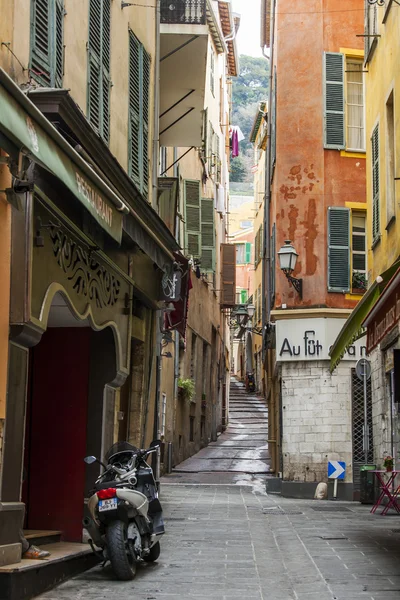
(266, 298)
(266, 268)
(156, 130)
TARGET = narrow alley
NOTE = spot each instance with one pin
(226, 539)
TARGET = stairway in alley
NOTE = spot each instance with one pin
(242, 449)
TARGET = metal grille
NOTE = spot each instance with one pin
(357, 395)
(331, 509)
(190, 12)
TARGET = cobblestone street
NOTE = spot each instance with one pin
(234, 541)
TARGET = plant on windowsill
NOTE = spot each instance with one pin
(388, 463)
(359, 283)
(186, 390)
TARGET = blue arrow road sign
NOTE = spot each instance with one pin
(336, 469)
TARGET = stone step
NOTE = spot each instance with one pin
(38, 537)
(30, 578)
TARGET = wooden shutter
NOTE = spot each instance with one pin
(334, 125)
(99, 66)
(145, 119)
(40, 41)
(338, 249)
(376, 221)
(134, 109)
(228, 275)
(247, 259)
(192, 218)
(207, 235)
(59, 43)
(370, 30)
(204, 133)
(105, 69)
(273, 263)
(212, 74)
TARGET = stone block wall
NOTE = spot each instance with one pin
(316, 419)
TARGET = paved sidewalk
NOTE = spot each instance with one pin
(231, 542)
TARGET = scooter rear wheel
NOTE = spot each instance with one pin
(124, 566)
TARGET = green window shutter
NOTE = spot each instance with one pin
(376, 221)
(145, 120)
(192, 218)
(248, 253)
(243, 296)
(99, 66)
(273, 262)
(334, 125)
(40, 41)
(138, 126)
(47, 42)
(207, 235)
(59, 42)
(338, 249)
(134, 110)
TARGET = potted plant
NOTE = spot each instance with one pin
(186, 389)
(359, 283)
(388, 463)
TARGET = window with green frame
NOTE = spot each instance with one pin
(138, 122)
(47, 42)
(99, 82)
(243, 253)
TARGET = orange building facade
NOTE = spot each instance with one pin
(317, 200)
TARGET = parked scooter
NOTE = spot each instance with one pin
(125, 520)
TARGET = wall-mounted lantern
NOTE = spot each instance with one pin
(287, 261)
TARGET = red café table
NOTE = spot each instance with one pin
(386, 491)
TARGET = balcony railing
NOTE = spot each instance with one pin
(187, 12)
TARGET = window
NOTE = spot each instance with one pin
(355, 139)
(370, 29)
(212, 72)
(341, 132)
(47, 42)
(199, 225)
(243, 253)
(376, 225)
(193, 357)
(163, 161)
(138, 125)
(228, 275)
(358, 250)
(99, 82)
(246, 224)
(390, 160)
(243, 296)
(347, 255)
(258, 246)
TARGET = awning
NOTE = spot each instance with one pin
(385, 314)
(26, 127)
(353, 328)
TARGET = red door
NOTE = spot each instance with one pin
(57, 431)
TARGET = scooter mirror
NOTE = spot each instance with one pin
(89, 460)
(155, 443)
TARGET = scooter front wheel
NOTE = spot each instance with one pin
(123, 564)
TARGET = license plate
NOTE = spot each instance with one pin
(109, 504)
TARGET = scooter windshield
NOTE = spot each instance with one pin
(120, 448)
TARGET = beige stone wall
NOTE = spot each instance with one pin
(76, 22)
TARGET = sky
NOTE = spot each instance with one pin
(248, 38)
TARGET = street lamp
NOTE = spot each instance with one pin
(251, 309)
(241, 315)
(287, 261)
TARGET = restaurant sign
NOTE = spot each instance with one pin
(384, 315)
